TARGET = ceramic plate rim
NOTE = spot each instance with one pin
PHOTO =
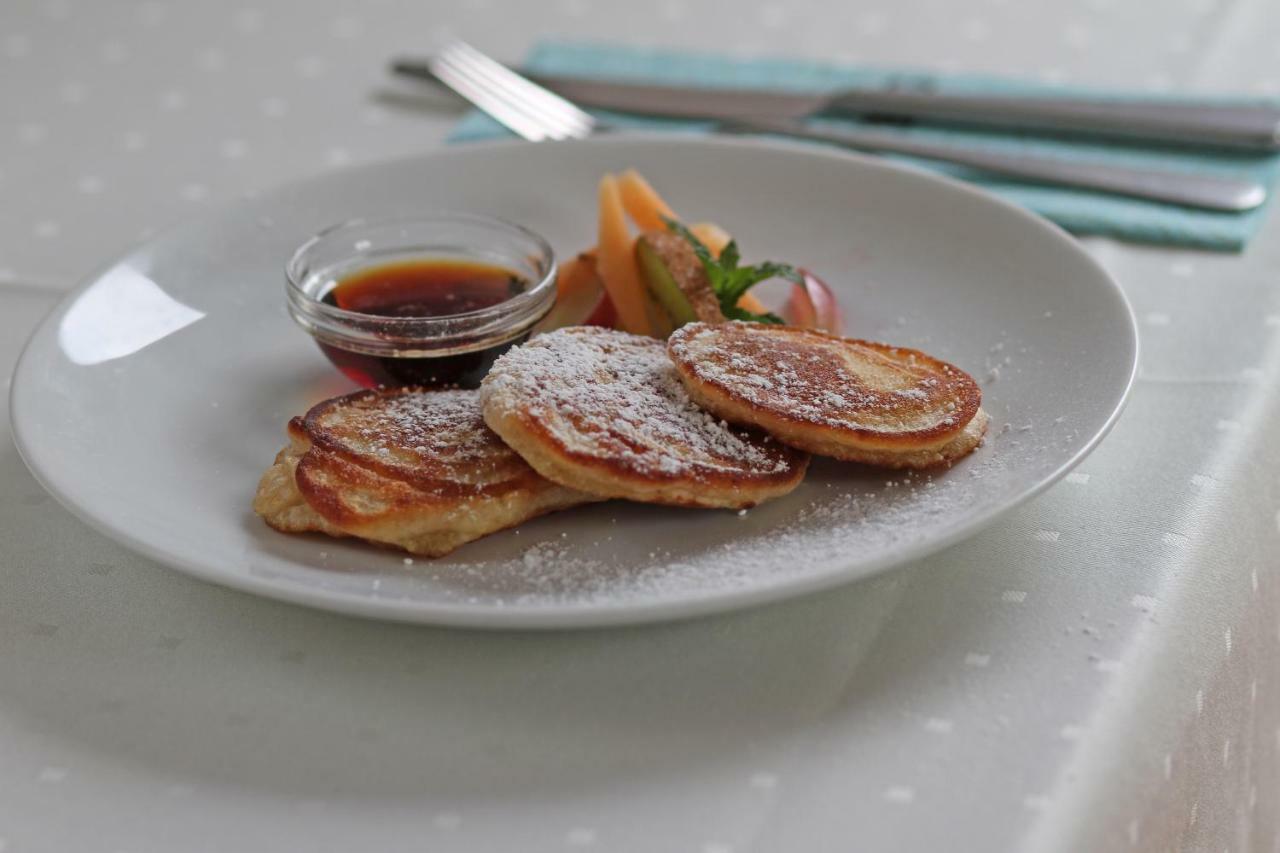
(578, 615)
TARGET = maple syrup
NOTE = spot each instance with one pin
(421, 289)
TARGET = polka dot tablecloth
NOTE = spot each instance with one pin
(1099, 672)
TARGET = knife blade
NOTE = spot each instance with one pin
(1238, 126)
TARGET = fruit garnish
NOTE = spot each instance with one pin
(581, 299)
(812, 305)
(617, 264)
(712, 236)
(642, 202)
(676, 279)
(730, 281)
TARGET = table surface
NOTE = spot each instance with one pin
(1097, 672)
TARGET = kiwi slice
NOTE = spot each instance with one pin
(675, 278)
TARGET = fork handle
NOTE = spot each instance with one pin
(1201, 191)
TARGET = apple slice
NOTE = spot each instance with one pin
(581, 299)
(812, 305)
(825, 304)
(799, 310)
(604, 314)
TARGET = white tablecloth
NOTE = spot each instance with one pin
(1101, 671)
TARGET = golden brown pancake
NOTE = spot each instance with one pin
(405, 467)
(850, 399)
(969, 439)
(604, 412)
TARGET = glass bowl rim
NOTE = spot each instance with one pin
(515, 306)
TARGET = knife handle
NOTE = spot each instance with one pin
(1203, 191)
(1245, 126)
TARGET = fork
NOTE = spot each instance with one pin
(537, 114)
(523, 106)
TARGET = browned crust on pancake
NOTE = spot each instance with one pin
(720, 366)
(325, 481)
(429, 475)
(524, 407)
(606, 477)
(969, 440)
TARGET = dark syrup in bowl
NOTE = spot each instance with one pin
(422, 288)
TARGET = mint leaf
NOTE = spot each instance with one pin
(773, 269)
(729, 256)
(699, 248)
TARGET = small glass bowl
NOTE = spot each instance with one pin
(455, 349)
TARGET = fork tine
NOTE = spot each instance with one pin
(556, 116)
(548, 125)
(498, 97)
(556, 124)
(524, 125)
(543, 99)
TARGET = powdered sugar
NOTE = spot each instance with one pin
(427, 423)
(843, 510)
(844, 521)
(437, 435)
(616, 396)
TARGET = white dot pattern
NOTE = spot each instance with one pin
(52, 775)
(764, 780)
(1035, 802)
(1144, 603)
(581, 837)
(900, 795)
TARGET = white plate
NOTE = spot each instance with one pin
(152, 398)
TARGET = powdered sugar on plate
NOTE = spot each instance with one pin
(804, 534)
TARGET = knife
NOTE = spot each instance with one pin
(1243, 126)
(1204, 191)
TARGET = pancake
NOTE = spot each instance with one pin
(604, 412)
(849, 399)
(969, 439)
(409, 468)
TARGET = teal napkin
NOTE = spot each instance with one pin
(1080, 211)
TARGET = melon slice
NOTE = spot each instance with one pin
(615, 253)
